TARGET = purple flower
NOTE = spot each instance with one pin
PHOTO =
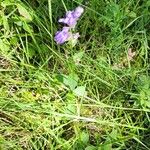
(78, 12)
(72, 17)
(62, 36)
(69, 19)
(66, 34)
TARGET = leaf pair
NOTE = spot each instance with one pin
(72, 82)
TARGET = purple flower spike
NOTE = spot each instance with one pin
(62, 36)
(67, 34)
(72, 17)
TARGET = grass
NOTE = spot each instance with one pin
(92, 96)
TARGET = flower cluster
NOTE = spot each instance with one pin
(70, 21)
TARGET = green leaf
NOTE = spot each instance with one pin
(14, 40)
(27, 27)
(80, 91)
(31, 52)
(77, 57)
(73, 42)
(84, 137)
(3, 46)
(132, 14)
(70, 109)
(106, 147)
(91, 147)
(114, 134)
(148, 3)
(147, 103)
(5, 23)
(24, 12)
(70, 97)
(19, 23)
(71, 80)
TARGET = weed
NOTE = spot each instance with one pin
(94, 95)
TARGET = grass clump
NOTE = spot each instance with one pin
(93, 96)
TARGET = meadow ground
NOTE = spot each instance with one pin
(93, 96)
